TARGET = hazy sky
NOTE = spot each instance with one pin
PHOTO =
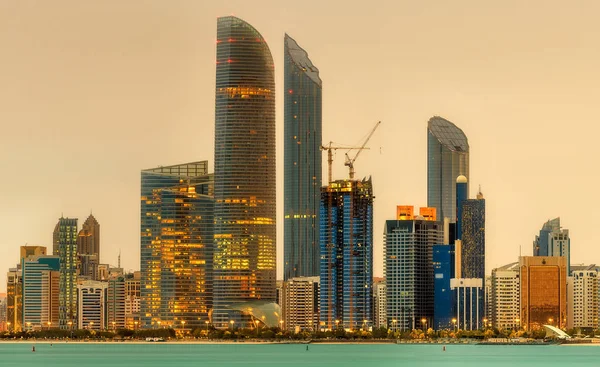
(92, 92)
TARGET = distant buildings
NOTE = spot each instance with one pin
(245, 185)
(115, 303)
(88, 249)
(65, 243)
(41, 292)
(444, 297)
(543, 291)
(176, 245)
(347, 254)
(553, 241)
(302, 162)
(473, 238)
(408, 249)
(469, 302)
(505, 300)
(379, 303)
(14, 299)
(447, 158)
(300, 304)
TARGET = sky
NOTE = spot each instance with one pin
(92, 92)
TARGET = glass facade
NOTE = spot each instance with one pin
(347, 254)
(245, 193)
(447, 158)
(37, 286)
(408, 248)
(444, 300)
(553, 241)
(65, 237)
(302, 162)
(88, 248)
(473, 238)
(176, 245)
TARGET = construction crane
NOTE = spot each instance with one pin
(330, 148)
(350, 162)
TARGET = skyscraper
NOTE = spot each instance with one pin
(176, 245)
(91, 306)
(302, 162)
(347, 254)
(447, 158)
(65, 242)
(38, 291)
(444, 309)
(88, 248)
(473, 238)
(505, 296)
(408, 248)
(245, 223)
(553, 241)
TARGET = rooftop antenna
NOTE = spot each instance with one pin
(119, 260)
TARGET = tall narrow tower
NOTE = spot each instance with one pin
(302, 162)
(65, 237)
(447, 158)
(245, 227)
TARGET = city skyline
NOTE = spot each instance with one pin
(74, 88)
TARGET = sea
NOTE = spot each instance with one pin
(63, 354)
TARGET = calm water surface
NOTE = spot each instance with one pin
(347, 355)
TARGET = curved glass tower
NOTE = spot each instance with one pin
(447, 158)
(245, 232)
(302, 162)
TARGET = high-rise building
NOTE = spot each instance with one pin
(14, 303)
(132, 300)
(65, 243)
(245, 177)
(88, 248)
(444, 305)
(543, 291)
(505, 296)
(462, 185)
(347, 254)
(176, 245)
(115, 303)
(302, 162)
(39, 292)
(3, 318)
(447, 158)
(408, 253)
(92, 305)
(582, 299)
(553, 241)
(300, 303)
(379, 303)
(473, 238)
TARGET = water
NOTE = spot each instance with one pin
(347, 355)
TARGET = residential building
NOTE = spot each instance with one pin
(14, 299)
(300, 303)
(447, 158)
(91, 305)
(553, 241)
(408, 257)
(582, 299)
(379, 303)
(39, 276)
(469, 302)
(347, 254)
(132, 301)
(65, 245)
(115, 303)
(176, 245)
(245, 177)
(505, 296)
(543, 291)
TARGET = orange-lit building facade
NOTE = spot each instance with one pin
(543, 291)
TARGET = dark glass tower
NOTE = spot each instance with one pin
(447, 158)
(473, 238)
(88, 248)
(302, 162)
(245, 223)
(65, 242)
(347, 254)
(176, 246)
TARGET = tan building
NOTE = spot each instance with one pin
(50, 297)
(32, 251)
(379, 303)
(14, 299)
(582, 298)
(543, 291)
(505, 288)
(132, 301)
(300, 303)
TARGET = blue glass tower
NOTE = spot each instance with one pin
(553, 241)
(245, 174)
(346, 254)
(447, 158)
(444, 304)
(302, 162)
(473, 238)
(461, 196)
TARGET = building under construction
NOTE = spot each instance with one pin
(346, 239)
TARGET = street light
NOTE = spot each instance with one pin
(8, 326)
(281, 325)
(365, 324)
(114, 327)
(91, 325)
(158, 322)
(231, 322)
(550, 320)
(49, 324)
(394, 321)
(256, 322)
(206, 322)
(454, 323)
(485, 320)
(424, 322)
(28, 326)
(337, 322)
(183, 327)
(518, 323)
